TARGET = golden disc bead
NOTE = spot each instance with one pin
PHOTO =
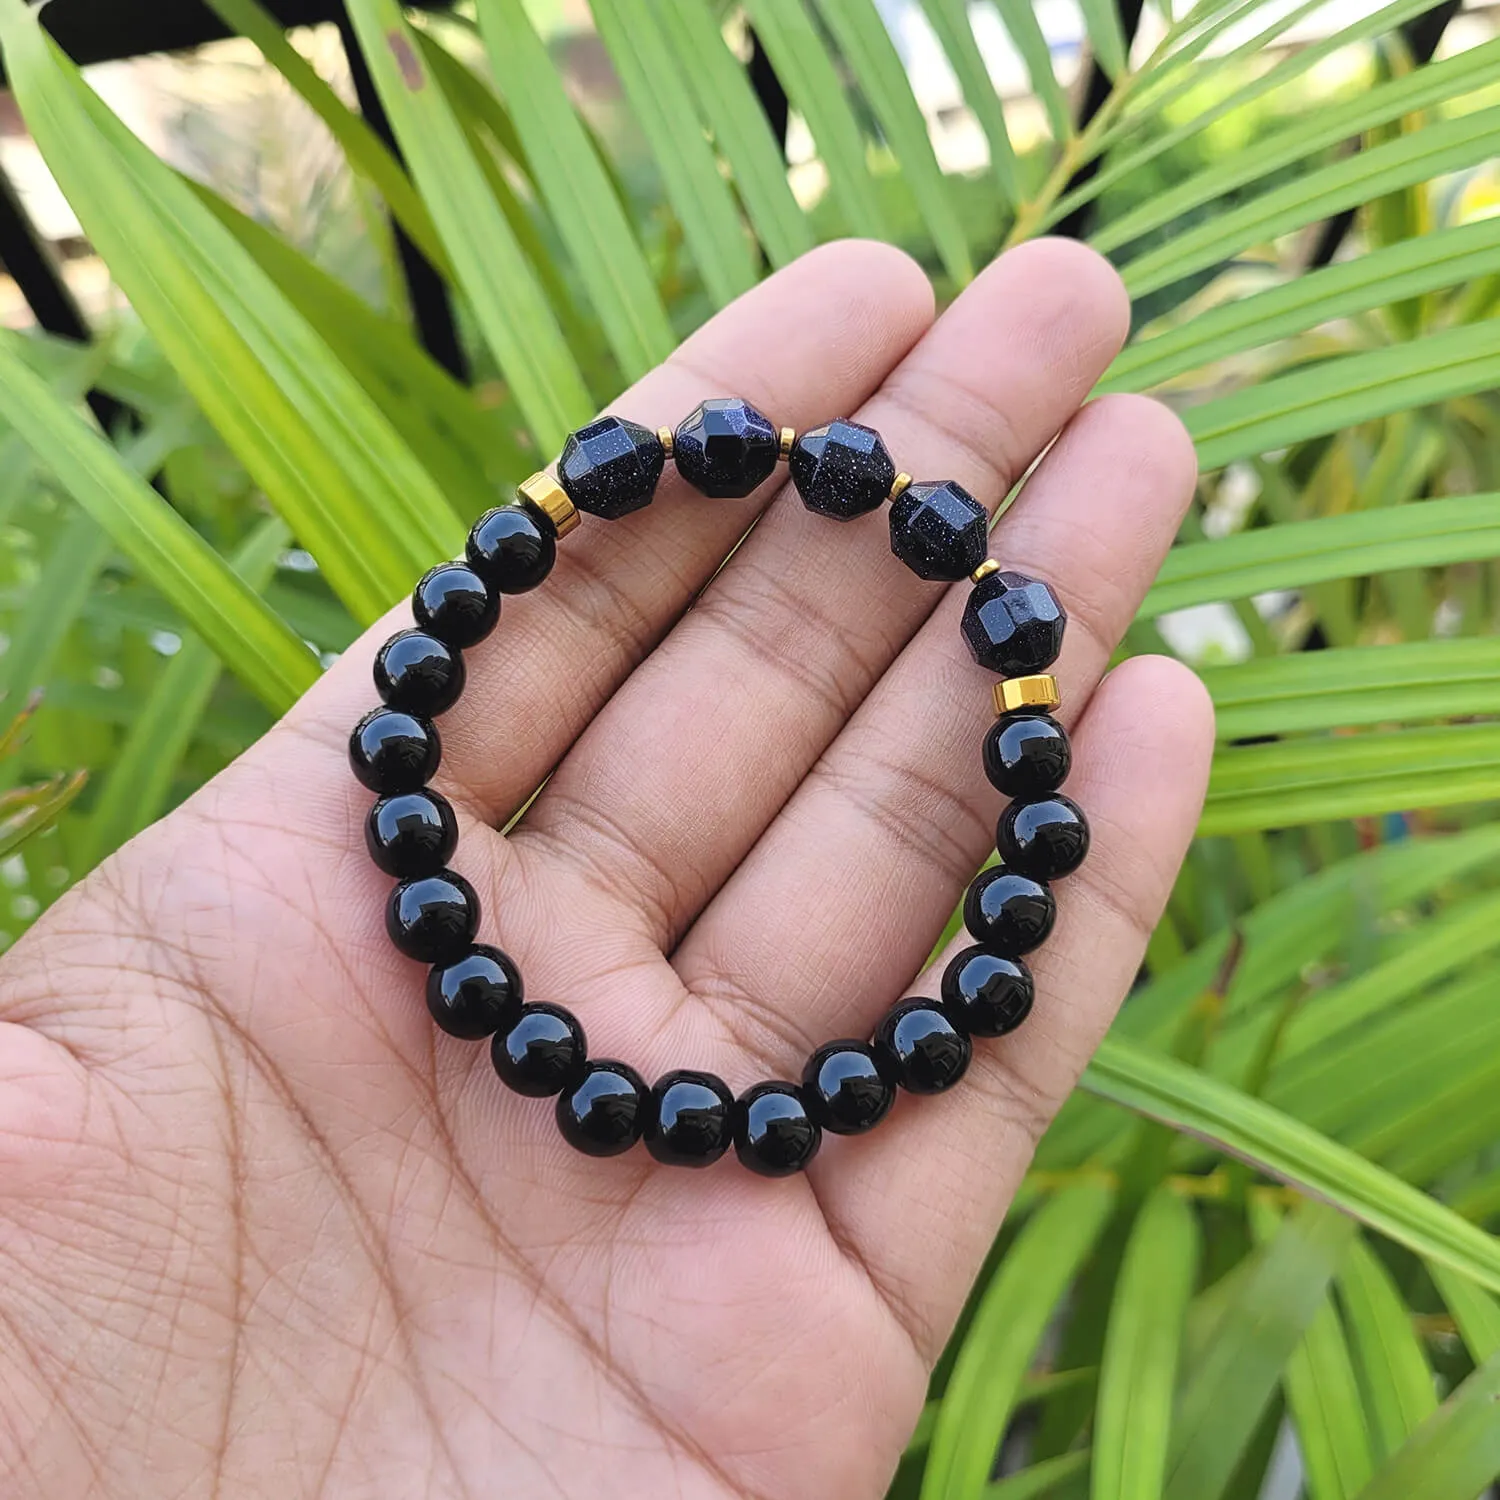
(1037, 691)
(542, 492)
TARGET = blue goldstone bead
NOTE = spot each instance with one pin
(725, 448)
(939, 531)
(610, 467)
(841, 470)
(1013, 624)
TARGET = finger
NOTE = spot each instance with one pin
(728, 715)
(824, 330)
(847, 891)
(919, 1201)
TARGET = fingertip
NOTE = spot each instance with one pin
(1092, 286)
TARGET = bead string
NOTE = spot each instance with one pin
(1013, 626)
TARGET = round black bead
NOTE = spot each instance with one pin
(412, 833)
(841, 470)
(434, 917)
(452, 602)
(725, 448)
(692, 1119)
(391, 751)
(921, 1048)
(1027, 754)
(940, 531)
(773, 1133)
(1046, 838)
(986, 995)
(512, 548)
(539, 1050)
(1013, 624)
(475, 995)
(1008, 912)
(846, 1089)
(418, 674)
(610, 467)
(604, 1112)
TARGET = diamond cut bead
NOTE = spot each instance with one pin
(841, 470)
(610, 467)
(725, 448)
(939, 531)
(1013, 624)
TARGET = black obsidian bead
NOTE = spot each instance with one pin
(774, 1134)
(412, 833)
(512, 548)
(986, 995)
(1027, 754)
(539, 1050)
(939, 531)
(692, 1119)
(725, 448)
(604, 1112)
(610, 467)
(1013, 624)
(391, 751)
(846, 1089)
(1046, 838)
(418, 674)
(841, 470)
(452, 602)
(1008, 912)
(474, 996)
(920, 1047)
(434, 917)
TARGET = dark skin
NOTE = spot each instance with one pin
(264, 1231)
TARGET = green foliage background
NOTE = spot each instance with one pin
(1274, 1195)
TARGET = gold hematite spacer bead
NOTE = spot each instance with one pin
(545, 494)
(1039, 691)
(664, 437)
(899, 486)
(788, 438)
(983, 571)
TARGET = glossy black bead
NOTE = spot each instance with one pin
(1027, 754)
(452, 602)
(692, 1119)
(841, 470)
(418, 674)
(725, 448)
(920, 1047)
(434, 917)
(539, 1050)
(986, 995)
(512, 548)
(846, 1089)
(940, 531)
(474, 996)
(610, 467)
(412, 833)
(774, 1134)
(605, 1110)
(1008, 912)
(1046, 837)
(1013, 624)
(391, 751)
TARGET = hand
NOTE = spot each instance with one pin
(265, 1232)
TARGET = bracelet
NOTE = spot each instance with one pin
(1013, 626)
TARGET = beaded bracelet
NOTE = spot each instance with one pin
(1013, 626)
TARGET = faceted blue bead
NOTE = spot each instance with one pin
(610, 467)
(841, 470)
(1013, 624)
(939, 531)
(725, 448)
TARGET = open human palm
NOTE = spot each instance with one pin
(265, 1231)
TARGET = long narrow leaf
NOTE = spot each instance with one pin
(950, 20)
(1026, 33)
(1102, 20)
(589, 217)
(1475, 1311)
(1163, 1089)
